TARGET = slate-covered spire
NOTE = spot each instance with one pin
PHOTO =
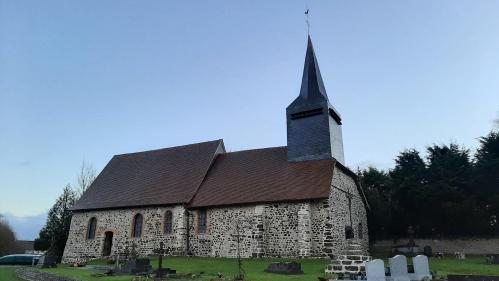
(314, 126)
(312, 86)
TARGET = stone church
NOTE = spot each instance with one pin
(298, 200)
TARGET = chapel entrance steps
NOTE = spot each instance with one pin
(352, 260)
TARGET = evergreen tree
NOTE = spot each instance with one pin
(445, 199)
(56, 230)
(408, 180)
(487, 164)
(378, 194)
(486, 174)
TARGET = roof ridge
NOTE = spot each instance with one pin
(167, 148)
(255, 149)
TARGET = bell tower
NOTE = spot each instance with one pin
(314, 126)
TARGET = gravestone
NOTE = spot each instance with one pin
(375, 270)
(421, 268)
(493, 259)
(136, 267)
(142, 266)
(398, 268)
(407, 250)
(428, 251)
(162, 272)
(284, 268)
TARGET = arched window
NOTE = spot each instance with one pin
(92, 225)
(202, 221)
(137, 225)
(168, 223)
(361, 231)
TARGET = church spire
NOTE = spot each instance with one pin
(314, 126)
(312, 86)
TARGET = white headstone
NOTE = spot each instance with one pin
(375, 270)
(421, 268)
(398, 268)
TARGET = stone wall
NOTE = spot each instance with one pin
(344, 212)
(220, 238)
(120, 223)
(313, 228)
(278, 230)
(287, 229)
(478, 246)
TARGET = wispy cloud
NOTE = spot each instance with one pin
(24, 163)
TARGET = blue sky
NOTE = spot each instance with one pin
(84, 80)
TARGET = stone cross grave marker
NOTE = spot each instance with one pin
(161, 251)
(421, 268)
(398, 268)
(375, 270)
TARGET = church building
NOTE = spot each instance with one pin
(298, 200)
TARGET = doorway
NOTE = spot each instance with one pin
(108, 243)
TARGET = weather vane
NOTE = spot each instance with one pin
(307, 11)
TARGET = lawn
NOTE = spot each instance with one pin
(7, 273)
(471, 265)
(207, 268)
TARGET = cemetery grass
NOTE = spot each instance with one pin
(207, 268)
(7, 273)
(471, 265)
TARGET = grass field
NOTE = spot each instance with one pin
(7, 274)
(207, 268)
(472, 265)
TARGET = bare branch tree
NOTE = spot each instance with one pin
(85, 178)
(8, 244)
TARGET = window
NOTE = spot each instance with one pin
(137, 225)
(348, 232)
(202, 221)
(361, 231)
(92, 225)
(168, 223)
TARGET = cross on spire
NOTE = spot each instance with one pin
(307, 20)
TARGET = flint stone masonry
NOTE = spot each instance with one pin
(120, 222)
(314, 228)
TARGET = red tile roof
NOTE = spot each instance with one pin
(263, 175)
(203, 175)
(156, 177)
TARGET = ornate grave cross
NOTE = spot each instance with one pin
(161, 251)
